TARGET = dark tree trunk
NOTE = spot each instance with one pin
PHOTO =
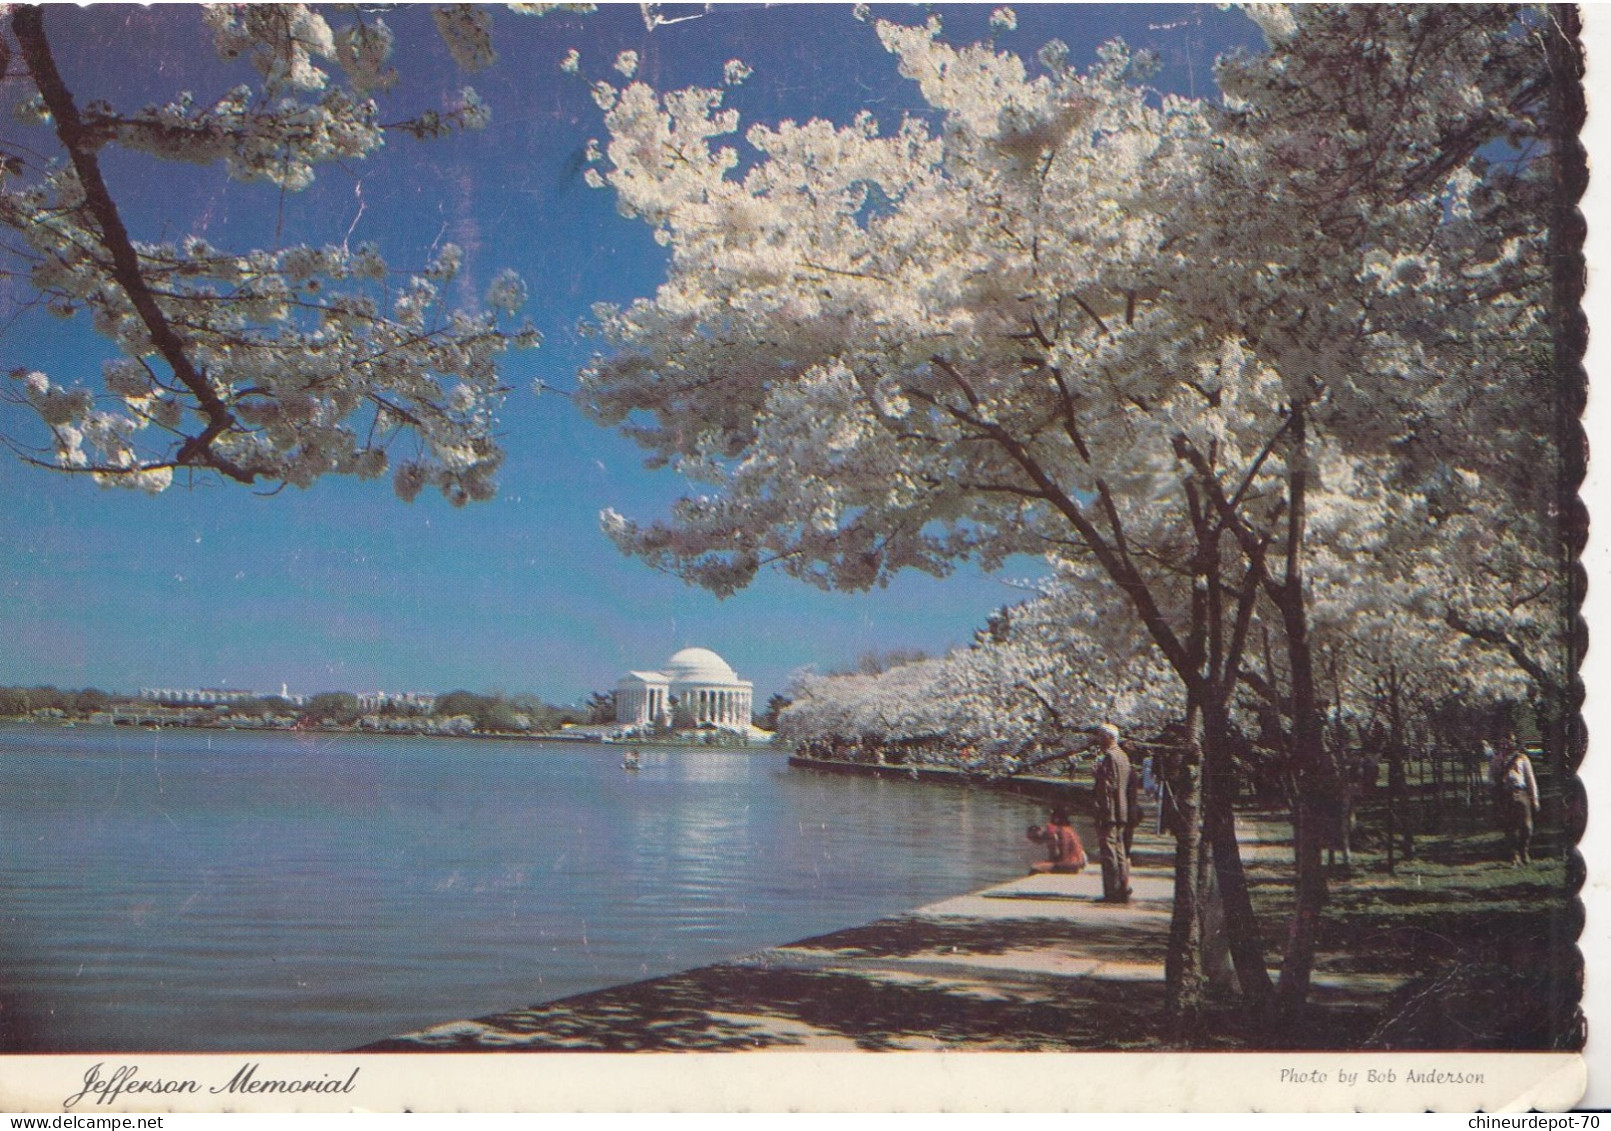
(1400, 832)
(1303, 932)
(1183, 967)
(1318, 784)
(1219, 830)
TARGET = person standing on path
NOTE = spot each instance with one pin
(1517, 790)
(1114, 798)
(1132, 805)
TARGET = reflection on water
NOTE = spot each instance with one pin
(194, 891)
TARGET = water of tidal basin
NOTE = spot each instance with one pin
(194, 891)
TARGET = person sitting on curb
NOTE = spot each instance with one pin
(1064, 852)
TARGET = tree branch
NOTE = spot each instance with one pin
(1497, 639)
(27, 21)
(1117, 565)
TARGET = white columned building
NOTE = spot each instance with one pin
(696, 687)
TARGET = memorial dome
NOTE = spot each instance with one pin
(699, 665)
(696, 688)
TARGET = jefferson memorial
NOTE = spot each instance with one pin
(695, 687)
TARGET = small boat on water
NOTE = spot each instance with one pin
(631, 761)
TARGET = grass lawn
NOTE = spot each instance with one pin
(1455, 949)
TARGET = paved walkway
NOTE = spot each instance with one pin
(991, 970)
(1038, 963)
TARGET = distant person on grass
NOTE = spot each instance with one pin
(1118, 808)
(1064, 852)
(1516, 795)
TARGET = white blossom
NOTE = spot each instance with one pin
(466, 29)
(548, 9)
(126, 378)
(470, 111)
(409, 480)
(363, 50)
(447, 262)
(507, 292)
(994, 329)
(312, 358)
(282, 41)
(29, 110)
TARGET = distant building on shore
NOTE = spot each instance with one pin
(211, 696)
(204, 696)
(420, 701)
(696, 687)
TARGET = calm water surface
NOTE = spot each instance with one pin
(215, 891)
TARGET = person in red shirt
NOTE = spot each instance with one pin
(1064, 852)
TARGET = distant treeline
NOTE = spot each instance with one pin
(18, 701)
(490, 712)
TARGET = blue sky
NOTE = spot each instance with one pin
(344, 587)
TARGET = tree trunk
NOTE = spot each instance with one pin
(1313, 813)
(1183, 968)
(1400, 830)
(1436, 754)
(1317, 781)
(1219, 829)
(1303, 932)
(1392, 825)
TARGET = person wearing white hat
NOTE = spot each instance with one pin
(1113, 802)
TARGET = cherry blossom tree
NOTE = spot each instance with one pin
(269, 365)
(1151, 334)
(1513, 583)
(937, 376)
(1031, 686)
(1046, 670)
(1444, 318)
(1411, 251)
(905, 702)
